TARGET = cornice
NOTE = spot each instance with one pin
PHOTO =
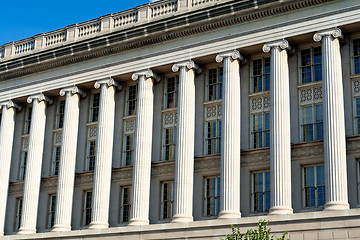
(114, 42)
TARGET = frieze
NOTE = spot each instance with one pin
(208, 162)
(84, 178)
(124, 173)
(163, 168)
(16, 187)
(258, 156)
(48, 183)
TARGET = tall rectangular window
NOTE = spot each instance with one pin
(311, 65)
(356, 56)
(125, 204)
(167, 199)
(260, 194)
(87, 208)
(131, 100)
(28, 115)
(261, 130)
(56, 161)
(23, 164)
(169, 143)
(60, 111)
(94, 107)
(214, 84)
(128, 141)
(171, 92)
(312, 123)
(213, 137)
(52, 207)
(90, 161)
(19, 203)
(313, 186)
(129, 149)
(260, 75)
(212, 196)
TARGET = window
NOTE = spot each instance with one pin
(167, 199)
(28, 115)
(56, 161)
(356, 56)
(125, 204)
(131, 100)
(19, 203)
(312, 122)
(52, 207)
(212, 196)
(313, 186)
(214, 85)
(90, 161)
(23, 164)
(213, 137)
(171, 92)
(87, 208)
(311, 65)
(260, 130)
(94, 107)
(260, 194)
(169, 144)
(260, 75)
(60, 111)
(358, 172)
(129, 149)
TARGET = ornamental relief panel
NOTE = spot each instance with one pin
(122, 174)
(213, 112)
(305, 150)
(25, 143)
(170, 119)
(57, 138)
(207, 163)
(356, 87)
(310, 95)
(16, 187)
(84, 179)
(260, 103)
(255, 157)
(161, 169)
(92, 132)
(49, 183)
(129, 126)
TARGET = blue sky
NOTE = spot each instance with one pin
(22, 19)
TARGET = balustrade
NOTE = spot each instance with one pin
(125, 18)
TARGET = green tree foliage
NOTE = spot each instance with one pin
(262, 233)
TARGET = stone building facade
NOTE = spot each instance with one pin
(180, 118)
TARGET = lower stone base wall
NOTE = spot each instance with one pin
(301, 226)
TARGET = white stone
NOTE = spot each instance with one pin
(336, 190)
(230, 142)
(280, 145)
(34, 164)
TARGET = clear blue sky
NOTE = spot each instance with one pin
(21, 19)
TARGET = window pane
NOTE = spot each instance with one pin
(309, 176)
(321, 195)
(307, 115)
(306, 66)
(320, 176)
(267, 74)
(317, 64)
(310, 197)
(318, 113)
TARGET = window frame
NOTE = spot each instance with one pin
(27, 120)
(51, 211)
(19, 204)
(122, 204)
(316, 186)
(303, 48)
(219, 81)
(175, 92)
(127, 100)
(163, 202)
(92, 107)
(90, 157)
(216, 197)
(263, 58)
(129, 125)
(60, 113)
(352, 39)
(85, 208)
(252, 194)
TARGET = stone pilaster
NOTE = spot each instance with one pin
(65, 188)
(280, 145)
(104, 150)
(33, 165)
(334, 121)
(185, 134)
(7, 127)
(230, 139)
(139, 214)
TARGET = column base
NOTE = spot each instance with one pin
(336, 206)
(182, 218)
(1, 234)
(229, 214)
(138, 222)
(280, 210)
(98, 225)
(61, 228)
(24, 231)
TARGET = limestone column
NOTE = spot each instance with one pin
(280, 145)
(103, 158)
(230, 139)
(185, 134)
(65, 188)
(139, 214)
(7, 127)
(334, 121)
(33, 165)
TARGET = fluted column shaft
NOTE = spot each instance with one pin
(33, 165)
(103, 157)
(184, 150)
(230, 139)
(65, 188)
(280, 145)
(334, 122)
(6, 142)
(139, 214)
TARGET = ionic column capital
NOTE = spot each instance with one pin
(72, 90)
(235, 54)
(190, 64)
(40, 97)
(109, 82)
(334, 32)
(147, 74)
(10, 104)
(282, 44)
